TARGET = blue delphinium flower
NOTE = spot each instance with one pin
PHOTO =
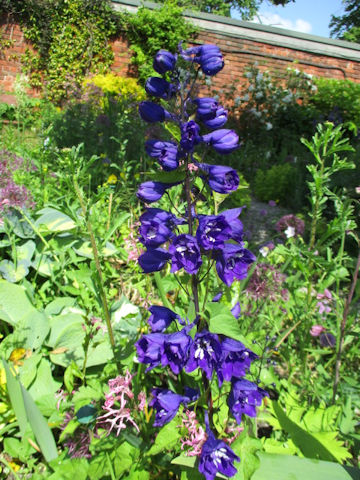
(205, 353)
(159, 87)
(189, 135)
(237, 228)
(218, 121)
(216, 457)
(166, 153)
(236, 359)
(176, 350)
(223, 141)
(208, 57)
(166, 404)
(232, 263)
(152, 112)
(154, 260)
(154, 233)
(150, 191)
(185, 253)
(150, 348)
(244, 397)
(236, 310)
(164, 61)
(206, 108)
(220, 178)
(213, 231)
(161, 318)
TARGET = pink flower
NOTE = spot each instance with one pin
(195, 436)
(326, 299)
(142, 401)
(317, 330)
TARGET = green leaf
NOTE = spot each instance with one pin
(167, 438)
(12, 274)
(54, 221)
(246, 448)
(286, 467)
(86, 414)
(16, 399)
(310, 446)
(168, 177)
(65, 469)
(39, 426)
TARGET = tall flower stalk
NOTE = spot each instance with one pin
(193, 243)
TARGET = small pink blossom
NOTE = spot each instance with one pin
(192, 167)
(234, 431)
(196, 435)
(317, 330)
(142, 401)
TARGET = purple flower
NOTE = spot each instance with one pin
(205, 353)
(327, 340)
(176, 350)
(218, 121)
(160, 318)
(206, 108)
(185, 253)
(152, 191)
(244, 397)
(233, 262)
(166, 404)
(208, 57)
(236, 359)
(150, 348)
(155, 229)
(316, 330)
(189, 135)
(213, 231)
(158, 87)
(216, 457)
(236, 310)
(223, 140)
(164, 61)
(165, 152)
(152, 112)
(153, 260)
(220, 178)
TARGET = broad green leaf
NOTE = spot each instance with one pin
(42, 432)
(66, 468)
(84, 249)
(86, 414)
(58, 304)
(25, 251)
(167, 438)
(310, 446)
(54, 221)
(16, 399)
(14, 274)
(44, 383)
(246, 448)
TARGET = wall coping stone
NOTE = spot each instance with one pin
(279, 37)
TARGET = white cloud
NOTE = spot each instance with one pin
(275, 20)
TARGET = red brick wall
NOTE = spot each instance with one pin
(239, 53)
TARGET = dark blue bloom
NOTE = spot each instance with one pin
(216, 457)
(152, 191)
(150, 348)
(205, 353)
(208, 57)
(218, 121)
(190, 395)
(220, 178)
(166, 404)
(185, 253)
(152, 112)
(165, 152)
(153, 260)
(176, 350)
(158, 87)
(223, 140)
(236, 310)
(154, 233)
(189, 135)
(236, 359)
(160, 318)
(164, 61)
(206, 108)
(212, 231)
(233, 262)
(237, 228)
(244, 397)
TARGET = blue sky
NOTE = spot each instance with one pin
(308, 16)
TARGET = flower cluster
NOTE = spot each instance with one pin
(192, 242)
(290, 226)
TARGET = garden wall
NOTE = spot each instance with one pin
(242, 44)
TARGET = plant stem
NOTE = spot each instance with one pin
(98, 269)
(342, 328)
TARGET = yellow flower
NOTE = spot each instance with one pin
(112, 179)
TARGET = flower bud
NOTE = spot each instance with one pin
(164, 61)
(158, 87)
(223, 140)
(165, 152)
(152, 112)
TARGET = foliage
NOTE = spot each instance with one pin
(71, 39)
(151, 30)
(112, 84)
(347, 26)
(276, 183)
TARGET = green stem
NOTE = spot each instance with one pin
(98, 269)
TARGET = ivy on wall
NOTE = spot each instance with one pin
(72, 38)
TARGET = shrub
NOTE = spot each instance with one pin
(277, 183)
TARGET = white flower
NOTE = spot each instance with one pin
(264, 251)
(290, 232)
(269, 126)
